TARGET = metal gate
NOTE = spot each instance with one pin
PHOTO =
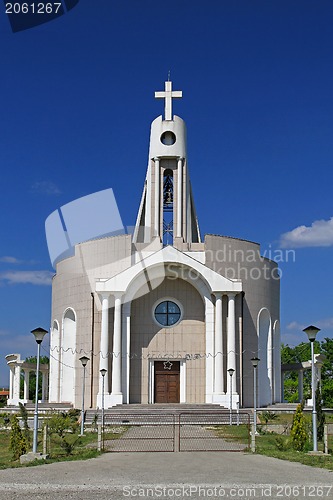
(186, 431)
(214, 431)
(138, 432)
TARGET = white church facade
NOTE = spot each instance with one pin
(164, 312)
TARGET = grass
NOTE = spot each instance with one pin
(239, 433)
(85, 448)
(268, 444)
(279, 446)
(271, 444)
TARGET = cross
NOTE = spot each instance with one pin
(168, 95)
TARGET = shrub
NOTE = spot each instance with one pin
(24, 417)
(298, 430)
(282, 444)
(18, 445)
(320, 415)
(5, 419)
(64, 427)
(266, 416)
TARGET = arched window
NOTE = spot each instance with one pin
(167, 206)
(68, 344)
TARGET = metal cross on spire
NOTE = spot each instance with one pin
(168, 95)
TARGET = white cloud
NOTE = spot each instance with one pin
(294, 325)
(294, 334)
(292, 339)
(27, 277)
(325, 324)
(319, 234)
(45, 187)
(10, 260)
(15, 343)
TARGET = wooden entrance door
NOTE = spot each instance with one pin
(167, 381)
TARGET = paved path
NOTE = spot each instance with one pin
(183, 475)
(165, 437)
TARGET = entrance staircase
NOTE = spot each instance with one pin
(141, 410)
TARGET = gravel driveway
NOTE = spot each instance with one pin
(167, 475)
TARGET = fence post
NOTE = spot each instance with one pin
(176, 434)
(45, 439)
(326, 438)
(253, 438)
(99, 437)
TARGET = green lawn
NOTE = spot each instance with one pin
(276, 446)
(272, 444)
(85, 447)
(239, 433)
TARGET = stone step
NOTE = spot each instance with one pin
(151, 410)
(44, 407)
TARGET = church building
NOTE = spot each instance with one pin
(170, 316)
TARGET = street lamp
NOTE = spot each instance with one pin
(84, 360)
(39, 334)
(103, 373)
(255, 362)
(311, 332)
(231, 372)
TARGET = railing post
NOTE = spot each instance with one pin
(253, 438)
(99, 437)
(176, 434)
(45, 433)
(326, 438)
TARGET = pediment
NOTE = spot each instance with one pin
(160, 261)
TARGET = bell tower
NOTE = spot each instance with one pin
(167, 210)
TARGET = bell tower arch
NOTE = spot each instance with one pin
(167, 209)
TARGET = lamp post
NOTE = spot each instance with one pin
(231, 372)
(103, 373)
(84, 360)
(255, 362)
(311, 332)
(39, 334)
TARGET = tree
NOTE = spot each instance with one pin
(24, 418)
(327, 373)
(17, 445)
(302, 352)
(320, 415)
(65, 427)
(298, 430)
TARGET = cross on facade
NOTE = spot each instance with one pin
(168, 95)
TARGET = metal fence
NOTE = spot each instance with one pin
(140, 432)
(204, 431)
(213, 432)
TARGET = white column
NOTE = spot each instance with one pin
(218, 373)
(11, 382)
(116, 359)
(232, 337)
(104, 347)
(26, 384)
(17, 376)
(180, 198)
(125, 349)
(157, 196)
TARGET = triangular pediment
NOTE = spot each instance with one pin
(161, 259)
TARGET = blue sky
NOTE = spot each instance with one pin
(77, 99)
